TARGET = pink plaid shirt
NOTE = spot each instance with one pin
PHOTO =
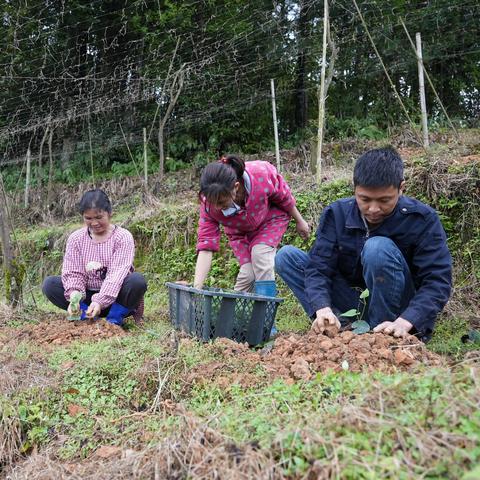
(97, 266)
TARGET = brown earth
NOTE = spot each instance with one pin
(58, 331)
(301, 356)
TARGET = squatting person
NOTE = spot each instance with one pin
(98, 263)
(381, 240)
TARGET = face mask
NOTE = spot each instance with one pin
(231, 211)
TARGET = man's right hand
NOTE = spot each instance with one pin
(325, 317)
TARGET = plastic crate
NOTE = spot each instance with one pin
(211, 312)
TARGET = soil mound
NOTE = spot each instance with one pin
(300, 356)
(59, 331)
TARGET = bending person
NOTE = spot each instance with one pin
(98, 263)
(381, 240)
(254, 204)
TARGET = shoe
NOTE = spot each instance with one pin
(267, 288)
(117, 314)
(83, 309)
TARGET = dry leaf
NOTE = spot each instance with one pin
(108, 451)
(74, 410)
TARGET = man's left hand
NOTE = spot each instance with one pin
(399, 328)
(93, 310)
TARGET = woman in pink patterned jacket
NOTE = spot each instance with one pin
(254, 204)
(98, 264)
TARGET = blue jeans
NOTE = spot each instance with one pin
(385, 272)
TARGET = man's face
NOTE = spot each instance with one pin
(377, 203)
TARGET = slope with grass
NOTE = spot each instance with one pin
(92, 401)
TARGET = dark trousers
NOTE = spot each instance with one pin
(133, 288)
(385, 272)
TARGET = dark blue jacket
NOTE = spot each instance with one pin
(416, 230)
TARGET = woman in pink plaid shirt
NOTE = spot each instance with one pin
(98, 263)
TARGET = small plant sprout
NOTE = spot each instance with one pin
(75, 298)
(359, 326)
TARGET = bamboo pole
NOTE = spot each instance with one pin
(145, 158)
(321, 96)
(27, 178)
(275, 124)
(421, 85)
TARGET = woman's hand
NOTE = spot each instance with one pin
(93, 310)
(204, 262)
(303, 228)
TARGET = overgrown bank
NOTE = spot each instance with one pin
(101, 403)
(165, 231)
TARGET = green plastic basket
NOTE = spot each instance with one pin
(211, 312)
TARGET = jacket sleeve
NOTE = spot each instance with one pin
(433, 263)
(74, 277)
(322, 265)
(208, 237)
(120, 265)
(279, 191)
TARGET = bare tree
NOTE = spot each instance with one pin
(13, 276)
(174, 92)
(323, 88)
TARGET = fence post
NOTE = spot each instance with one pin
(145, 158)
(27, 178)
(321, 96)
(275, 126)
(421, 84)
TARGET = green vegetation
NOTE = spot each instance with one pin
(137, 392)
(116, 64)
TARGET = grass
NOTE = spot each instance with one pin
(401, 426)
(135, 392)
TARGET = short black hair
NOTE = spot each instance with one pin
(95, 200)
(380, 167)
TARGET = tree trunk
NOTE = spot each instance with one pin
(12, 273)
(301, 100)
(50, 170)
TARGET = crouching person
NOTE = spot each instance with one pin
(98, 263)
(381, 240)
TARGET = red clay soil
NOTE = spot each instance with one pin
(59, 331)
(301, 356)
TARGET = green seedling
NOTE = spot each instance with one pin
(359, 326)
(75, 298)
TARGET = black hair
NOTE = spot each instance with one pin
(380, 167)
(96, 200)
(218, 178)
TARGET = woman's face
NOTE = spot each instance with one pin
(96, 220)
(227, 200)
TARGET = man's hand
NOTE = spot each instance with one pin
(93, 310)
(303, 228)
(325, 317)
(399, 328)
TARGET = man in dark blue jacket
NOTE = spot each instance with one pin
(381, 240)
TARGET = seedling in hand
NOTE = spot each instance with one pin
(74, 306)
